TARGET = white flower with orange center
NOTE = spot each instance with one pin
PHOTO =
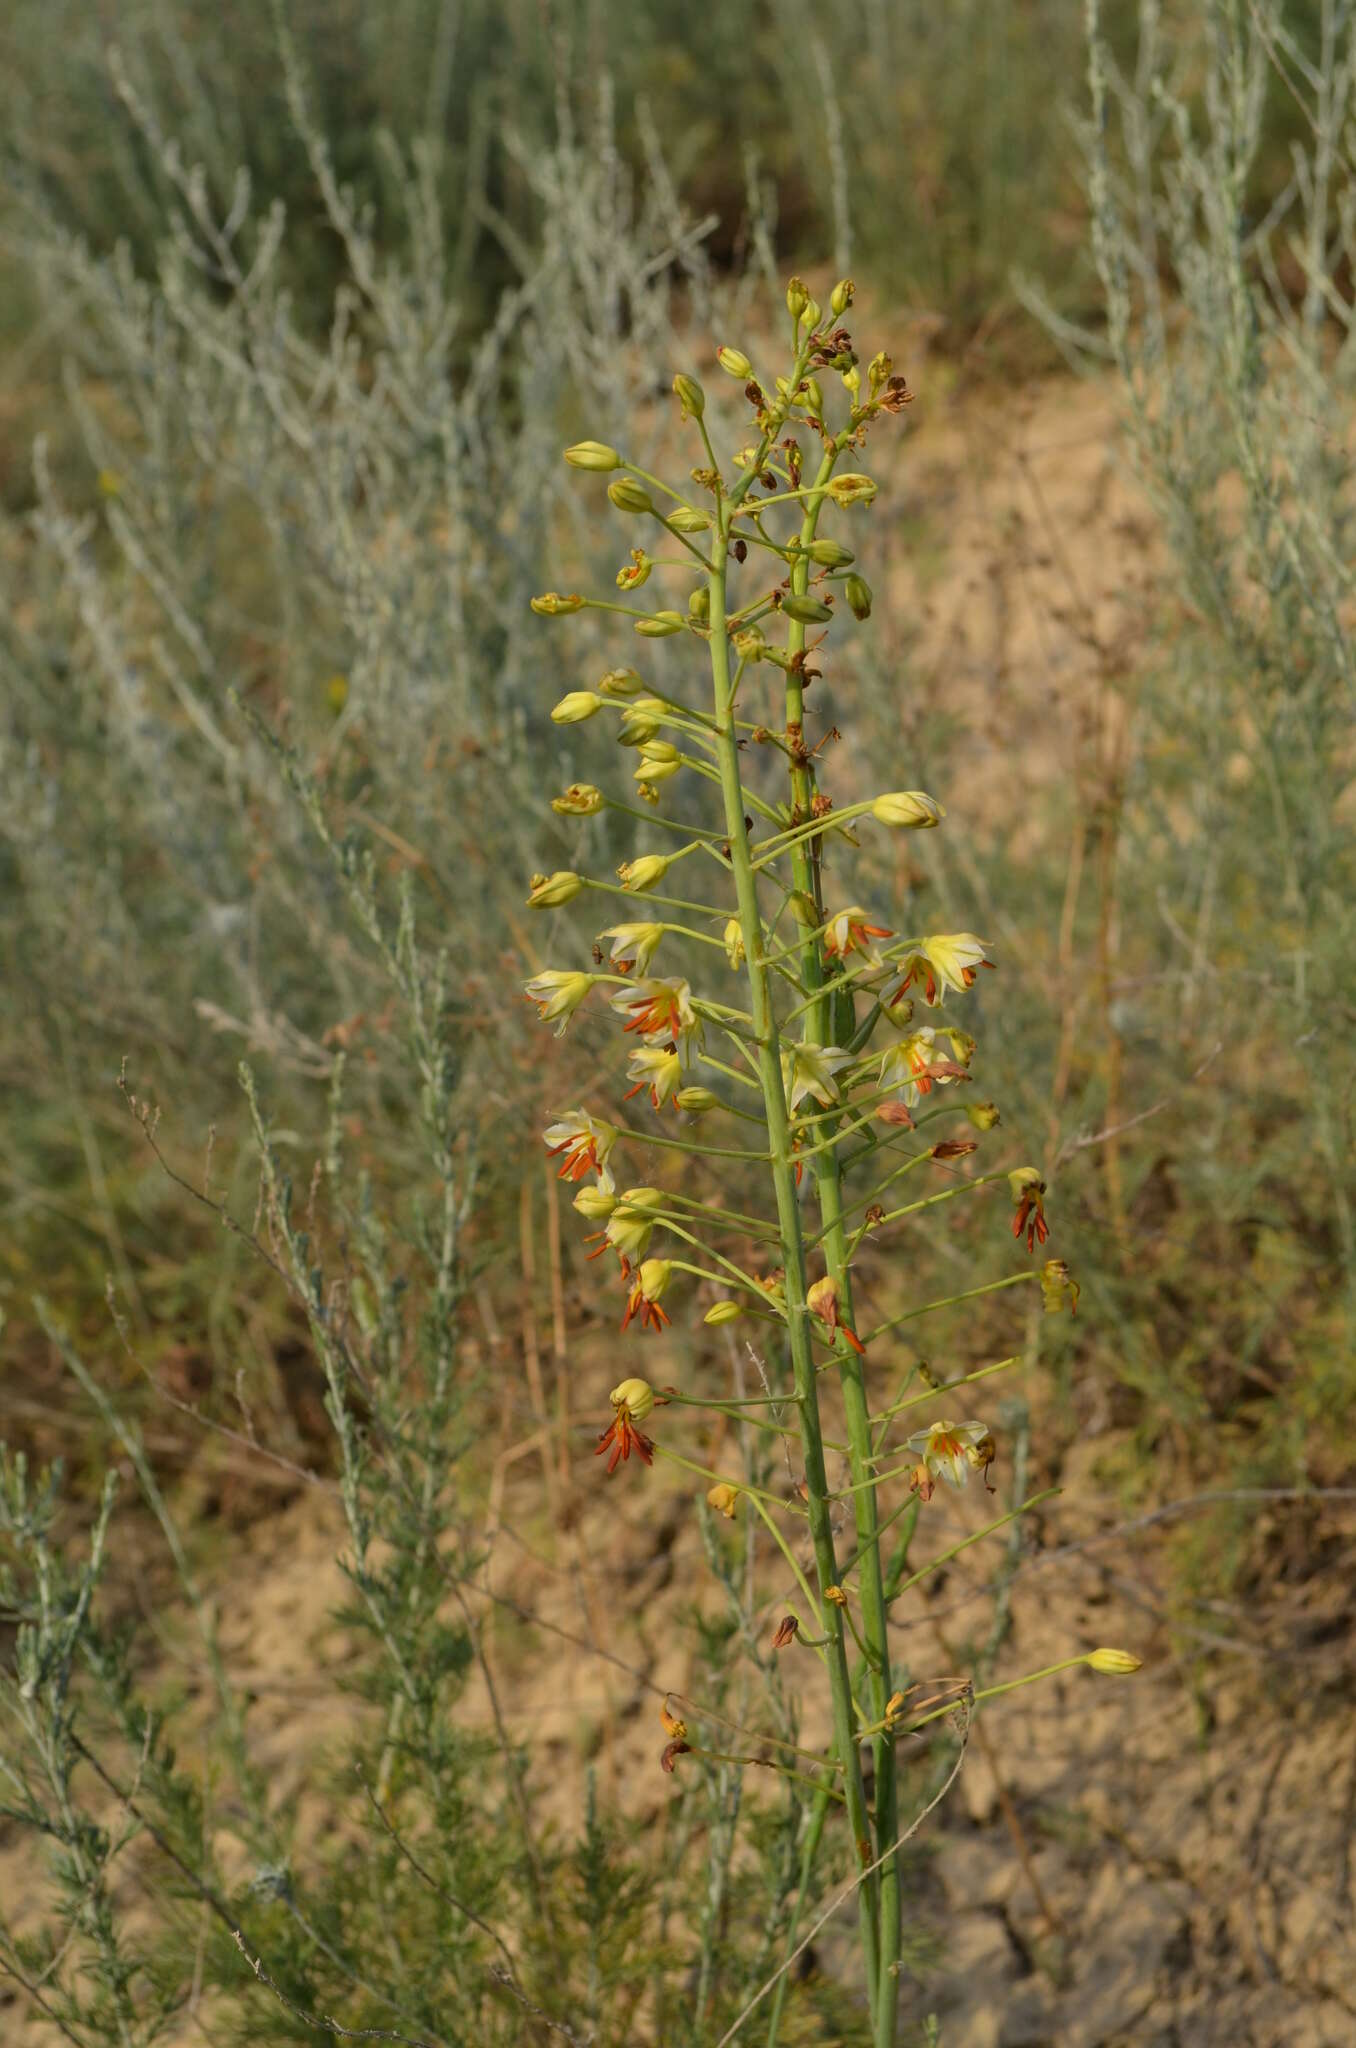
(582, 1143)
(906, 1066)
(950, 1450)
(812, 1070)
(657, 1068)
(659, 1009)
(848, 932)
(633, 945)
(558, 994)
(947, 960)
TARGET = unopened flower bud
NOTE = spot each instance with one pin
(842, 295)
(687, 519)
(690, 396)
(660, 626)
(812, 398)
(878, 370)
(852, 382)
(635, 1396)
(658, 760)
(595, 1204)
(983, 1115)
(592, 455)
(830, 554)
(577, 705)
(696, 1101)
(551, 605)
(807, 610)
(912, 807)
(547, 891)
(653, 1278)
(722, 1312)
(797, 298)
(629, 496)
(640, 722)
(723, 1499)
(699, 605)
(750, 644)
(645, 873)
(857, 591)
(734, 942)
(580, 800)
(852, 488)
(620, 682)
(1114, 1663)
(809, 316)
(735, 363)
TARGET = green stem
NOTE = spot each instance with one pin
(788, 1216)
(827, 1169)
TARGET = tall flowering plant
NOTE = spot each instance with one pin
(831, 1046)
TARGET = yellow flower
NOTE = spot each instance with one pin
(852, 489)
(580, 800)
(734, 942)
(948, 960)
(584, 1141)
(723, 1499)
(660, 1009)
(558, 993)
(551, 605)
(950, 1449)
(636, 1396)
(633, 945)
(642, 1305)
(636, 572)
(735, 363)
(810, 1070)
(847, 932)
(630, 1227)
(656, 1068)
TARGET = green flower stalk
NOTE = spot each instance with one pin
(812, 1038)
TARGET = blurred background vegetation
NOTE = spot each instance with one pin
(297, 307)
(547, 199)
